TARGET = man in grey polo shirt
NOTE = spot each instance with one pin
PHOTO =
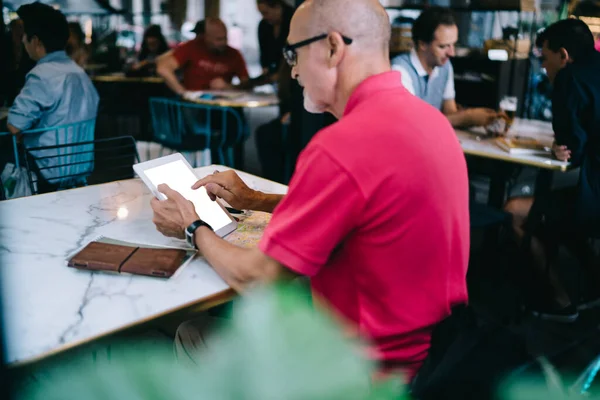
(427, 71)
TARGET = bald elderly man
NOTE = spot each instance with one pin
(207, 61)
(377, 209)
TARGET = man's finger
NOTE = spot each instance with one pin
(170, 193)
(219, 179)
(155, 203)
(219, 191)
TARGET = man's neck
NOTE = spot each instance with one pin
(40, 53)
(352, 77)
(423, 61)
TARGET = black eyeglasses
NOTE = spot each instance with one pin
(289, 50)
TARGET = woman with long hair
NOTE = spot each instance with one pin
(153, 45)
(272, 32)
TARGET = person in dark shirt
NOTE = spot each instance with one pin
(569, 215)
(272, 35)
(18, 61)
(154, 44)
(272, 32)
(270, 141)
(76, 47)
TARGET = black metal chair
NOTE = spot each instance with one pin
(71, 165)
(2, 196)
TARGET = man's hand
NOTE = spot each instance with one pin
(229, 187)
(15, 132)
(484, 116)
(173, 215)
(562, 153)
(219, 84)
(142, 64)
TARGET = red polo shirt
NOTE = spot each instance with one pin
(377, 215)
(200, 65)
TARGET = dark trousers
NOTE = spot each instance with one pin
(271, 151)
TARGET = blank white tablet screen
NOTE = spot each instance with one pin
(180, 178)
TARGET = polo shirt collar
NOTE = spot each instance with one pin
(414, 60)
(370, 86)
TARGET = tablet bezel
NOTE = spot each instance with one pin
(140, 169)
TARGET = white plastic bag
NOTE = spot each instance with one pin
(15, 182)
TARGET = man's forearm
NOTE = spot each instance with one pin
(459, 119)
(266, 202)
(12, 129)
(172, 81)
(240, 268)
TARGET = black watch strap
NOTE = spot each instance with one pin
(191, 229)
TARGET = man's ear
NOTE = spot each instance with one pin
(564, 56)
(336, 48)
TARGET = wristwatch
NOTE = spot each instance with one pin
(191, 229)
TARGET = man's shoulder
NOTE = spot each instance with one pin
(191, 46)
(402, 59)
(55, 68)
(233, 52)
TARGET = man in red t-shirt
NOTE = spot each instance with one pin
(207, 62)
(377, 210)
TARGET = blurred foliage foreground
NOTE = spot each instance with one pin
(275, 346)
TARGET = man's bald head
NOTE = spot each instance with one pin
(215, 34)
(364, 21)
(325, 62)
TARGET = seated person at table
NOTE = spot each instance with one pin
(273, 30)
(569, 215)
(154, 45)
(387, 249)
(76, 47)
(207, 62)
(57, 91)
(18, 63)
(270, 143)
(427, 71)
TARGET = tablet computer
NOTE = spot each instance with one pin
(176, 172)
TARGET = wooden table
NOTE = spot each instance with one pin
(235, 99)
(49, 308)
(476, 143)
(120, 77)
(123, 108)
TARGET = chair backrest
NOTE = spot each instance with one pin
(175, 122)
(114, 159)
(87, 162)
(62, 156)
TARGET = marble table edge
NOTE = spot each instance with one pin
(198, 305)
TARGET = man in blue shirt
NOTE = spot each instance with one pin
(570, 215)
(57, 91)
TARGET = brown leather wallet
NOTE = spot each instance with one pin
(101, 256)
(154, 262)
(134, 260)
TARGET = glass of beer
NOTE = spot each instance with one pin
(508, 105)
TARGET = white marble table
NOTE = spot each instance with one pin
(475, 142)
(49, 307)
